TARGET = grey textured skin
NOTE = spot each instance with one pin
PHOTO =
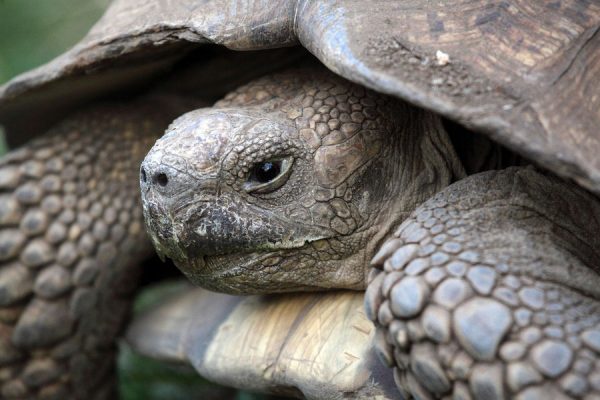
(488, 290)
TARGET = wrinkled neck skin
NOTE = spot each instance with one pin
(351, 165)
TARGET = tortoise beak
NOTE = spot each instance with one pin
(167, 193)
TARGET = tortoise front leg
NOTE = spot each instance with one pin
(490, 290)
(71, 238)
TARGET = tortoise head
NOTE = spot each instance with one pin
(289, 183)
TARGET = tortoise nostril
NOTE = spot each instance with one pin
(161, 179)
(144, 178)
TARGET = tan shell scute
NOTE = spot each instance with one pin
(305, 345)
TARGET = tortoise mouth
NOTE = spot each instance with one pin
(213, 266)
(233, 273)
(238, 263)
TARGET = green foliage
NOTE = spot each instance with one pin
(34, 31)
(143, 378)
(3, 146)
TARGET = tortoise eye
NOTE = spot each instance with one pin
(268, 176)
(266, 171)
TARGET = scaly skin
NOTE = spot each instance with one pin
(350, 152)
(487, 291)
(71, 241)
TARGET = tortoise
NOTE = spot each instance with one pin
(481, 281)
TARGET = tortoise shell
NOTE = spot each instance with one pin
(521, 72)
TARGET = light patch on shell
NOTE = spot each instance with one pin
(442, 58)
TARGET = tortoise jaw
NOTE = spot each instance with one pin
(241, 272)
(218, 260)
(203, 269)
(229, 273)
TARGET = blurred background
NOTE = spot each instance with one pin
(33, 32)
